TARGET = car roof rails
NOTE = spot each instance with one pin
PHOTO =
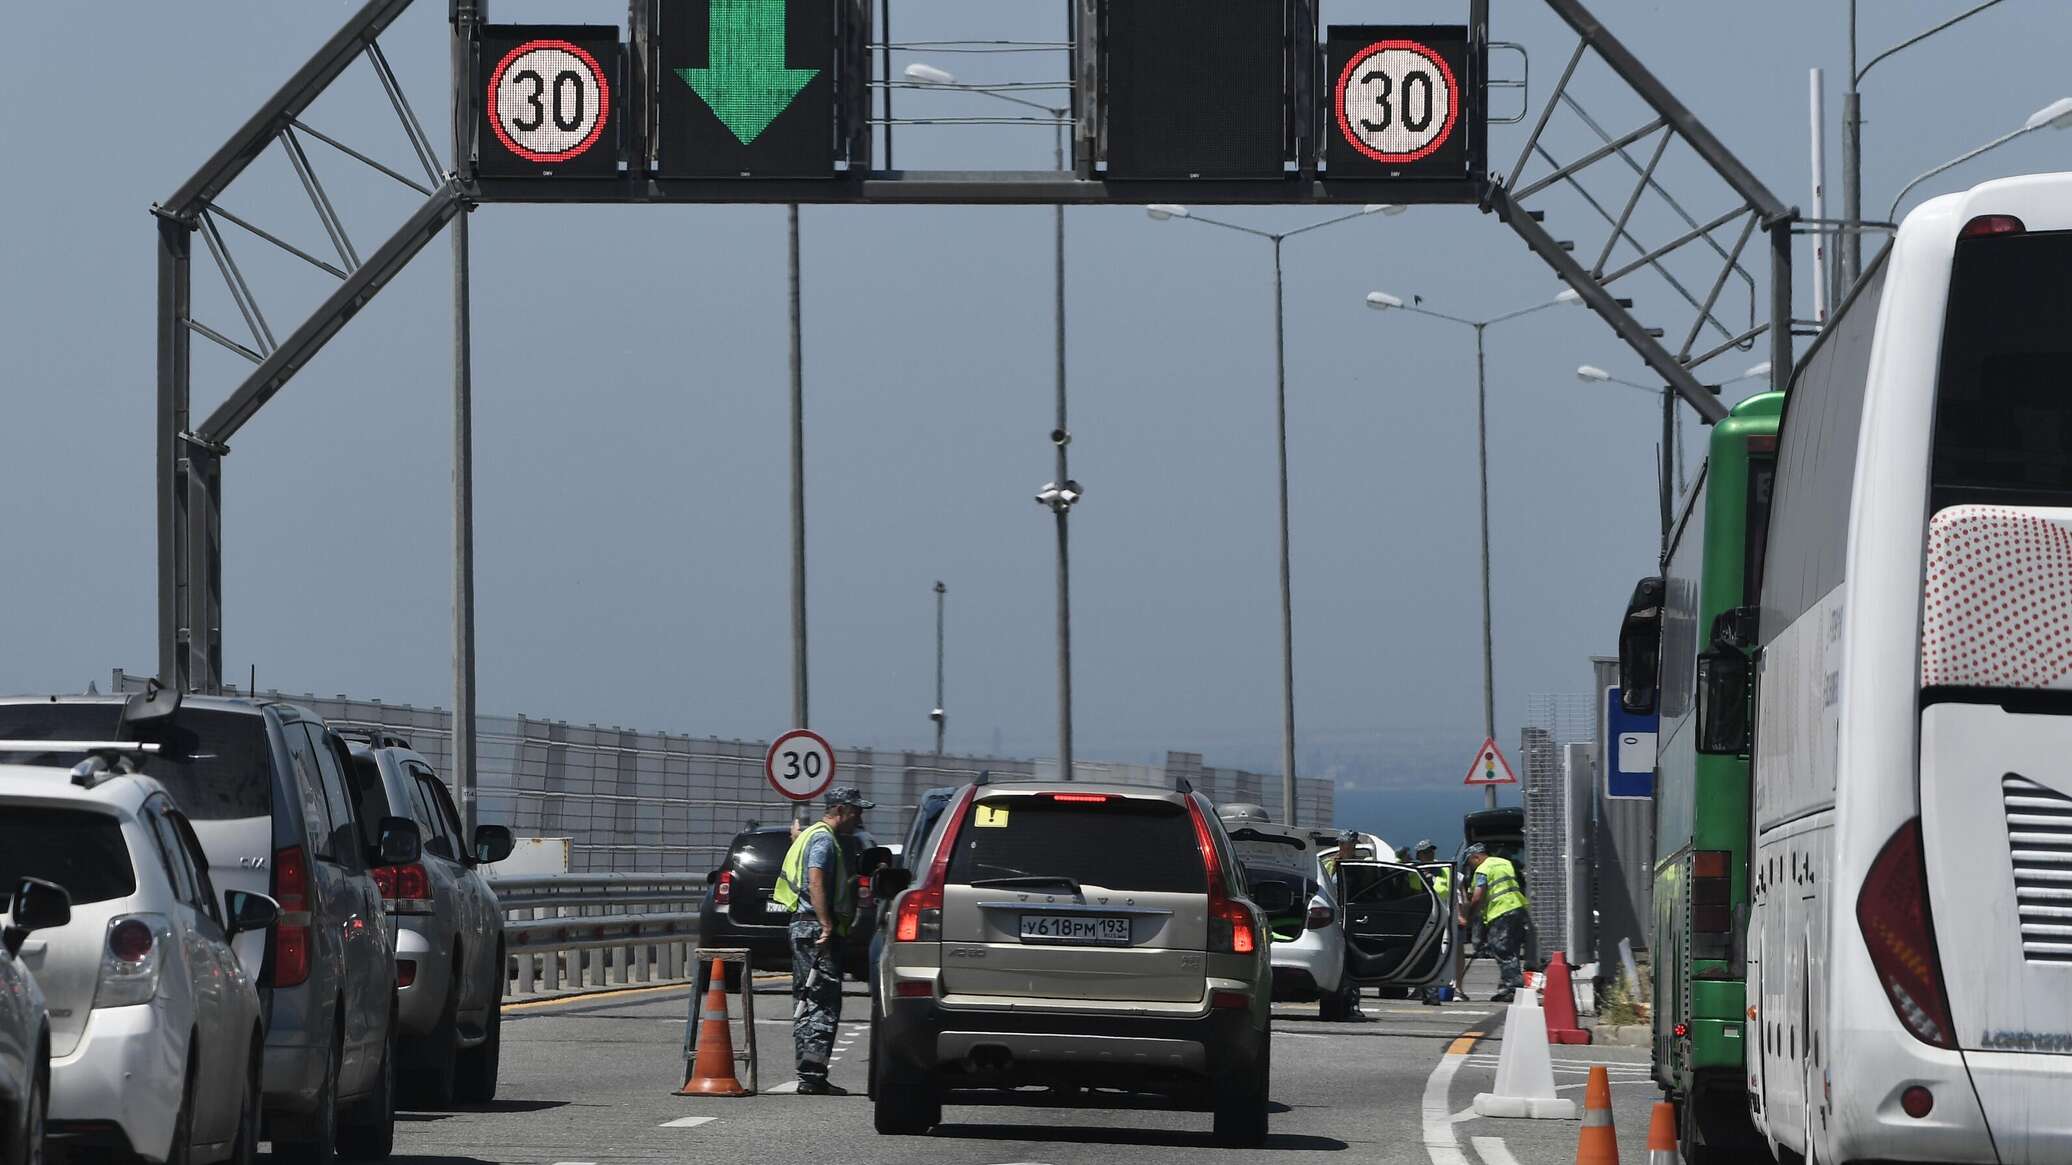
(375, 737)
(104, 758)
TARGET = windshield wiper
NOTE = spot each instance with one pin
(1031, 880)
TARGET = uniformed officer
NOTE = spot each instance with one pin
(1425, 853)
(814, 885)
(1501, 899)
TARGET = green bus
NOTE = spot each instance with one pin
(1710, 574)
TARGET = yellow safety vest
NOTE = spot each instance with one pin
(791, 878)
(1442, 883)
(1505, 896)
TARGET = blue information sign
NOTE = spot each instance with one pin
(1629, 750)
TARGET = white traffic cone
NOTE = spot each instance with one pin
(1524, 1070)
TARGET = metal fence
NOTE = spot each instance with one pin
(570, 931)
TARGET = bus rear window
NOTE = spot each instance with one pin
(2003, 411)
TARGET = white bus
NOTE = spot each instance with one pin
(1909, 946)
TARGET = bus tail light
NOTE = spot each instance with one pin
(1712, 904)
(1893, 913)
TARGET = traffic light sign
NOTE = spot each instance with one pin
(550, 101)
(747, 88)
(1404, 102)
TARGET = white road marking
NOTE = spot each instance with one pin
(778, 1089)
(1466, 1114)
(1493, 1151)
(1440, 1143)
(1301, 1035)
(688, 1122)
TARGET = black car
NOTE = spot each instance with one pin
(738, 912)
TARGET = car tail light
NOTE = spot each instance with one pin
(864, 894)
(291, 932)
(913, 989)
(405, 889)
(1320, 917)
(406, 972)
(1229, 1000)
(131, 959)
(919, 917)
(1917, 1102)
(1893, 913)
(1081, 798)
(1987, 225)
(723, 890)
(1232, 930)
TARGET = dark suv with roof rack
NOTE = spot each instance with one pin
(737, 911)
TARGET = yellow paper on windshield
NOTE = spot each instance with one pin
(991, 817)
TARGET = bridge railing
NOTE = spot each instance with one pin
(569, 931)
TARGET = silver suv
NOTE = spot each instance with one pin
(449, 933)
(1076, 936)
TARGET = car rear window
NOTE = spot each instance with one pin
(78, 849)
(1119, 844)
(216, 764)
(370, 796)
(761, 851)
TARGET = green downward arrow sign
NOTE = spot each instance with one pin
(745, 80)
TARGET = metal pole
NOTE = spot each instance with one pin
(1280, 411)
(799, 706)
(1488, 631)
(1061, 438)
(1818, 124)
(464, 751)
(885, 71)
(942, 715)
(175, 286)
(1668, 467)
(1852, 169)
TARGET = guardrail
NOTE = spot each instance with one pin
(587, 930)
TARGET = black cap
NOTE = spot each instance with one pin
(848, 795)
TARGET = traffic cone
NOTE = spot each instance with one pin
(1662, 1135)
(712, 1074)
(1599, 1144)
(1561, 1004)
(1524, 1070)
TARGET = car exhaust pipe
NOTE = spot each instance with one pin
(988, 1058)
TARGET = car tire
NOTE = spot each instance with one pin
(28, 1146)
(905, 1103)
(370, 1133)
(429, 1082)
(245, 1150)
(1240, 1114)
(476, 1068)
(871, 1077)
(1338, 1006)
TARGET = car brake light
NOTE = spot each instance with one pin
(864, 894)
(1081, 798)
(1987, 225)
(919, 917)
(1231, 929)
(404, 889)
(131, 959)
(723, 890)
(290, 962)
(1898, 929)
(1320, 917)
(1229, 1000)
(913, 989)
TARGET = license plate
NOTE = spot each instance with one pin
(1105, 931)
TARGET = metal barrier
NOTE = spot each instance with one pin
(587, 930)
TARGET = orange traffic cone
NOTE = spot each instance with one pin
(713, 1072)
(1599, 1144)
(1662, 1135)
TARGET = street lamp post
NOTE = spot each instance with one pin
(1165, 211)
(1671, 452)
(2056, 115)
(1061, 492)
(939, 714)
(1383, 301)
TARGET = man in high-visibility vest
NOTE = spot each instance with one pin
(1501, 898)
(1425, 853)
(814, 886)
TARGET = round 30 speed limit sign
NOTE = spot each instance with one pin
(1397, 101)
(548, 100)
(800, 764)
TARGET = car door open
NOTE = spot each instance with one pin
(1394, 924)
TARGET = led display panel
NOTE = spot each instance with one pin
(747, 88)
(1400, 102)
(549, 101)
(1195, 90)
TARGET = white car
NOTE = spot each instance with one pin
(24, 1022)
(155, 1028)
(1309, 951)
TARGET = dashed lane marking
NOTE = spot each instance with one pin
(690, 1122)
(1493, 1151)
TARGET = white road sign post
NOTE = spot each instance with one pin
(800, 764)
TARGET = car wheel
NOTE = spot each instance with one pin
(905, 1102)
(476, 1071)
(34, 1114)
(1240, 1120)
(370, 1134)
(429, 1082)
(312, 1139)
(871, 1077)
(245, 1150)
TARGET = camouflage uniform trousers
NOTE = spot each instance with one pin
(816, 992)
(1505, 940)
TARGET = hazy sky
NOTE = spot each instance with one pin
(631, 440)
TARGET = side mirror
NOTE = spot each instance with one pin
(1640, 647)
(1723, 688)
(35, 905)
(1274, 897)
(874, 859)
(493, 843)
(888, 882)
(400, 844)
(245, 911)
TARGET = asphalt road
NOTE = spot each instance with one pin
(590, 1080)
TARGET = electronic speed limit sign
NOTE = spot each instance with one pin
(800, 764)
(1401, 105)
(549, 101)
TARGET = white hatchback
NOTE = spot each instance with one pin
(155, 1028)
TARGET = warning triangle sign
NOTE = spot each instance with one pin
(1489, 766)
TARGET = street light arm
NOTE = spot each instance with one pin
(1912, 41)
(1953, 163)
(1526, 311)
(1229, 226)
(1329, 222)
(1440, 315)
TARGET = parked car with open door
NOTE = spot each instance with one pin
(1309, 945)
(1395, 925)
